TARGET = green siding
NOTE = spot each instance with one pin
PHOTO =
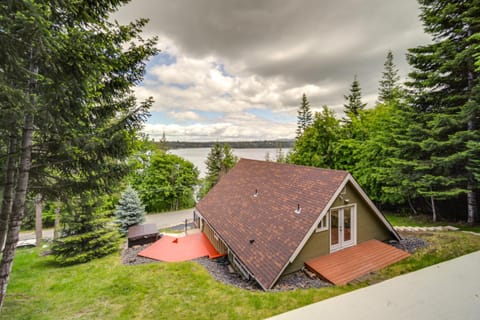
(318, 245)
(368, 226)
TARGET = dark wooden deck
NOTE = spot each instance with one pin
(348, 264)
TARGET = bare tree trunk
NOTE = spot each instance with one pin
(56, 227)
(434, 210)
(471, 195)
(410, 204)
(472, 204)
(18, 206)
(38, 219)
(8, 188)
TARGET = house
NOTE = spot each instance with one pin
(270, 218)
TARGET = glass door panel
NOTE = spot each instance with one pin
(342, 228)
(347, 224)
(334, 231)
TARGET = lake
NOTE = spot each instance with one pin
(198, 155)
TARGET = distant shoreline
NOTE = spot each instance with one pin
(277, 144)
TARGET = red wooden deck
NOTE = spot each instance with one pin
(173, 249)
(348, 264)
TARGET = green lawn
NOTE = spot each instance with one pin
(106, 289)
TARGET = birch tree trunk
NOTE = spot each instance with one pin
(434, 210)
(38, 219)
(18, 206)
(8, 188)
(56, 227)
(471, 195)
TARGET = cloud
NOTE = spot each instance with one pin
(232, 56)
(185, 115)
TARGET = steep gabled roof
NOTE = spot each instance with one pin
(269, 218)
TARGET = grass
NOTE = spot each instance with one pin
(106, 289)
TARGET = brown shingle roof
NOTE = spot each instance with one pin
(238, 216)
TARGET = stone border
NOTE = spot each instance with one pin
(425, 229)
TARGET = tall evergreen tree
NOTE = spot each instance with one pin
(354, 103)
(87, 233)
(219, 161)
(163, 143)
(304, 116)
(130, 211)
(445, 87)
(389, 88)
(67, 72)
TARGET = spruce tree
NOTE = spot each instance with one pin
(389, 89)
(87, 232)
(219, 161)
(354, 103)
(163, 143)
(130, 211)
(446, 100)
(304, 116)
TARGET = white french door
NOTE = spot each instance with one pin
(342, 227)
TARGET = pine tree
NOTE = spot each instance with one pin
(354, 101)
(389, 89)
(87, 233)
(219, 161)
(130, 211)
(304, 116)
(163, 143)
(446, 98)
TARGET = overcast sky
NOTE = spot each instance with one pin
(236, 70)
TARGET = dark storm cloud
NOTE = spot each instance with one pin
(304, 41)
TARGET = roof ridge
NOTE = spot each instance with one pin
(293, 165)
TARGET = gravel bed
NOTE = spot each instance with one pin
(296, 280)
(219, 271)
(409, 244)
(299, 280)
(130, 255)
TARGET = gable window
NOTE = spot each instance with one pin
(323, 224)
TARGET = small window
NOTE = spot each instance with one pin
(323, 224)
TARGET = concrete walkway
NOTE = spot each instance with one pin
(449, 290)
